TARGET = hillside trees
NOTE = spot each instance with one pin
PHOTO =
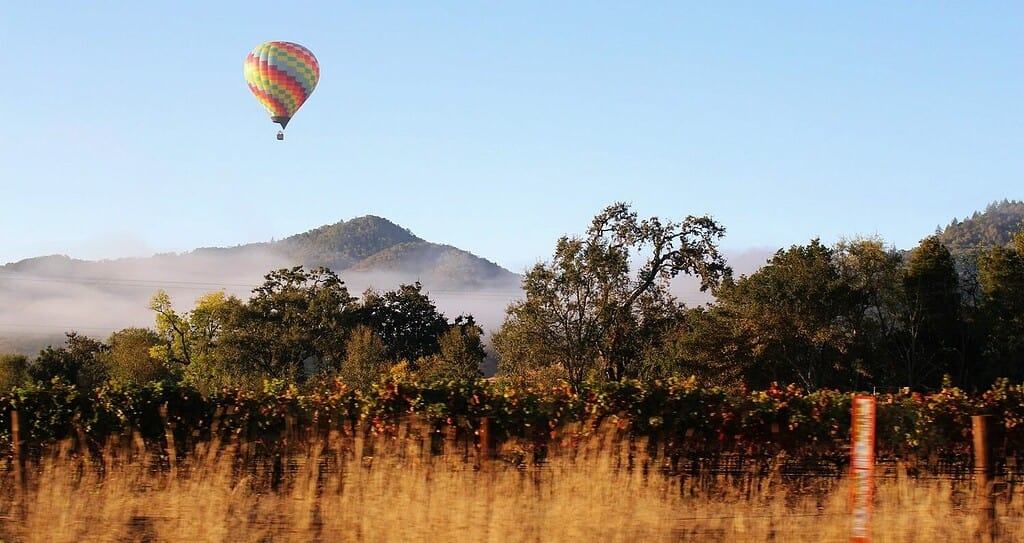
(588, 307)
(993, 227)
(854, 315)
(342, 244)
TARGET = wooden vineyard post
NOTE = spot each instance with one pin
(486, 448)
(862, 466)
(451, 437)
(983, 472)
(289, 432)
(172, 455)
(19, 454)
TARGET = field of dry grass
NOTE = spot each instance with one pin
(341, 490)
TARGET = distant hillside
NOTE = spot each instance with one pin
(435, 264)
(43, 297)
(994, 226)
(372, 245)
(364, 245)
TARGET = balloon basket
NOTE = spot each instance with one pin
(280, 135)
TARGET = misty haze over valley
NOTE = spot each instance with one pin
(42, 298)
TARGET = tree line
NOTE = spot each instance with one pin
(297, 327)
(853, 316)
(858, 315)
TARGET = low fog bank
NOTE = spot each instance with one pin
(742, 262)
(42, 299)
(486, 302)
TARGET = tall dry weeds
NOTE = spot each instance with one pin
(329, 490)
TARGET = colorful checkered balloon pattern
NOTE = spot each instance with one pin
(281, 75)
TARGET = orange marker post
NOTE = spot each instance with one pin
(862, 466)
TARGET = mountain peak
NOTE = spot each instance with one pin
(344, 243)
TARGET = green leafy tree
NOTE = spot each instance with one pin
(218, 353)
(206, 345)
(460, 357)
(129, 359)
(873, 273)
(79, 362)
(587, 307)
(793, 321)
(521, 345)
(932, 338)
(366, 358)
(1001, 274)
(406, 320)
(704, 342)
(294, 319)
(173, 330)
(13, 370)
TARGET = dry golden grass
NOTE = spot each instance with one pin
(332, 492)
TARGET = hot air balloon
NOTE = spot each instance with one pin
(281, 75)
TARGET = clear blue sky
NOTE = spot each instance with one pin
(498, 127)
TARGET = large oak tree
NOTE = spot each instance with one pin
(585, 310)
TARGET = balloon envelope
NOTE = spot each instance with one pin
(281, 75)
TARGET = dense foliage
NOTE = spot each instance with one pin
(299, 326)
(861, 315)
(677, 413)
(984, 229)
(588, 311)
(855, 315)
